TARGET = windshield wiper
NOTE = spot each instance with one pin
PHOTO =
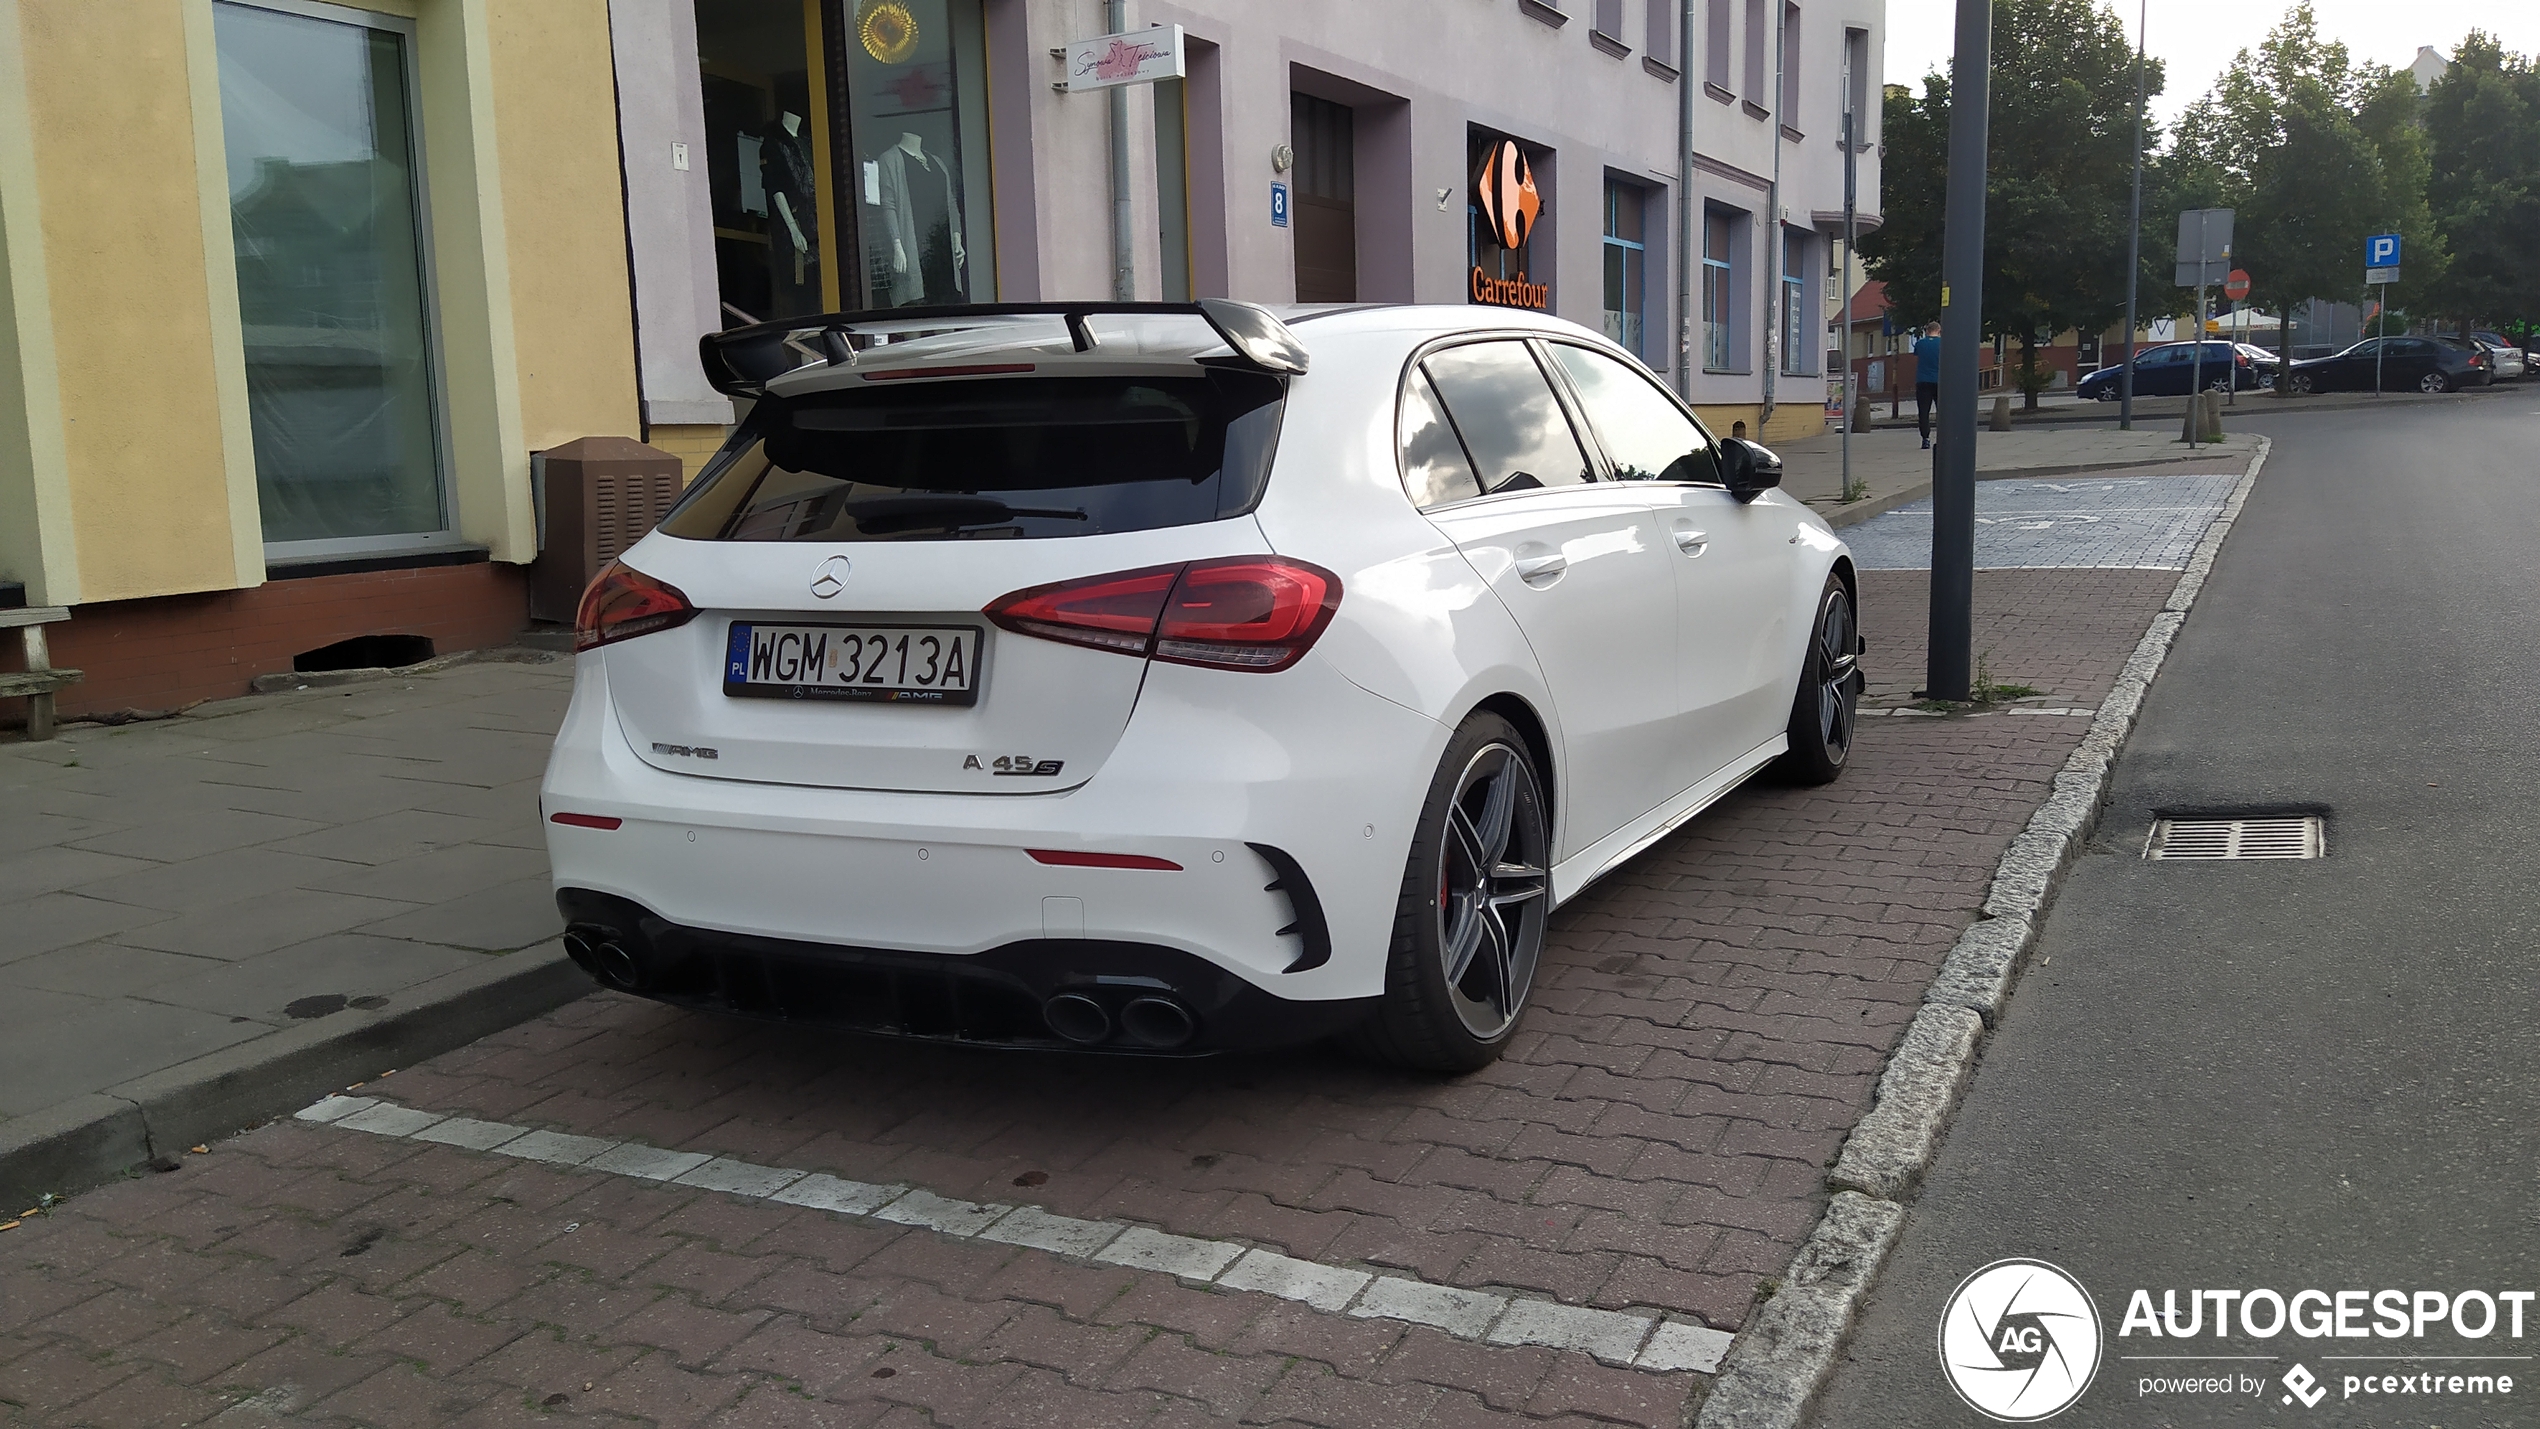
(883, 515)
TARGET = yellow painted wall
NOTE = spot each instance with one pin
(694, 445)
(111, 118)
(36, 545)
(573, 320)
(1791, 420)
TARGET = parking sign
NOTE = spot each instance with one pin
(2381, 251)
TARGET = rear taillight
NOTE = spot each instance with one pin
(1234, 613)
(622, 603)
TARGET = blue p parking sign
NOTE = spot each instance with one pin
(2381, 251)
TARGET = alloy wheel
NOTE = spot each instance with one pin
(2433, 382)
(1493, 889)
(1838, 672)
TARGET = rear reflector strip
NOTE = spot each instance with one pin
(586, 821)
(1070, 858)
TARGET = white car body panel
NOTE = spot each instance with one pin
(856, 825)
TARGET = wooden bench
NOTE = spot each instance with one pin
(41, 679)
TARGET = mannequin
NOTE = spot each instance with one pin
(785, 162)
(921, 221)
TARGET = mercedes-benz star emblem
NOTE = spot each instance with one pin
(831, 578)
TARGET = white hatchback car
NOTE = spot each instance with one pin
(1099, 676)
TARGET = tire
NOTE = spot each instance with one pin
(1825, 711)
(1476, 892)
(2434, 382)
(2302, 384)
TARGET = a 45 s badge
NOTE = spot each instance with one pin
(1022, 764)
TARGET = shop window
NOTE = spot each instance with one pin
(326, 217)
(846, 154)
(1626, 264)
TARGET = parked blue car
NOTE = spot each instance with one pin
(2166, 371)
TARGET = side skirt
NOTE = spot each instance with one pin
(1572, 875)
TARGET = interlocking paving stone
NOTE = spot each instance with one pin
(1468, 1313)
(924, 1208)
(1061, 1235)
(1676, 1345)
(828, 1193)
(1181, 1255)
(650, 1162)
(1602, 1333)
(390, 1119)
(562, 1148)
(1325, 1287)
(739, 1177)
(481, 1135)
(2116, 523)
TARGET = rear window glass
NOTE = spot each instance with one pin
(1004, 458)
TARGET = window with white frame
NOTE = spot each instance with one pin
(1719, 289)
(1626, 264)
(1795, 339)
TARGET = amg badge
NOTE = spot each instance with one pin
(1022, 764)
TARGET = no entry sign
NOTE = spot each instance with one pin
(2236, 286)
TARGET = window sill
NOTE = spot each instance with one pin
(1796, 137)
(1754, 110)
(1548, 14)
(1609, 44)
(355, 563)
(1718, 92)
(1659, 68)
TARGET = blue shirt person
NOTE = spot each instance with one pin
(1926, 359)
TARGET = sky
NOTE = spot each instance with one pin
(2197, 38)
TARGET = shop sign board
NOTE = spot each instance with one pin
(1509, 202)
(1135, 57)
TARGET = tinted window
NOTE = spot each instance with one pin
(1646, 434)
(1434, 468)
(1003, 458)
(1512, 425)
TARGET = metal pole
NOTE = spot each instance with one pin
(1953, 540)
(1851, 236)
(2196, 369)
(2134, 234)
(1687, 260)
(2380, 329)
(1773, 229)
(1124, 251)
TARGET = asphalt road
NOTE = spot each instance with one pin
(2287, 1075)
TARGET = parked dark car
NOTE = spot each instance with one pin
(2406, 364)
(2167, 371)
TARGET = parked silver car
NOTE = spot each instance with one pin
(2507, 361)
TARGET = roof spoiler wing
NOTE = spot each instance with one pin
(741, 361)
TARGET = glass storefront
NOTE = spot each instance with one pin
(877, 151)
(326, 217)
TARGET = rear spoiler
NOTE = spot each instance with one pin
(741, 361)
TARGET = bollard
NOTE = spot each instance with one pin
(2001, 414)
(2203, 421)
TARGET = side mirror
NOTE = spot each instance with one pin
(1749, 468)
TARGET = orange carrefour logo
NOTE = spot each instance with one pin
(1506, 189)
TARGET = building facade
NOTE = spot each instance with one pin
(292, 292)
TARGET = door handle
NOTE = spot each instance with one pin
(1692, 542)
(1532, 569)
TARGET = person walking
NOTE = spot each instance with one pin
(1926, 379)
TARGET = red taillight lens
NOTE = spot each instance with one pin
(622, 603)
(1239, 613)
(1114, 612)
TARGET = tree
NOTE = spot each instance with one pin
(2316, 153)
(2059, 171)
(2482, 129)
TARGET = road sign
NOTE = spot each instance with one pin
(2204, 246)
(1278, 205)
(2237, 286)
(2381, 251)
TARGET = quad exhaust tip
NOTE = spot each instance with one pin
(1077, 1018)
(601, 954)
(1157, 1022)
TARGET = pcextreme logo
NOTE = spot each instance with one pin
(2019, 1340)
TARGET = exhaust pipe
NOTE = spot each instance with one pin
(1157, 1022)
(1077, 1018)
(600, 952)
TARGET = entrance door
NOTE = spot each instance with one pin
(1324, 137)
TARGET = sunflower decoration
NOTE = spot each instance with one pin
(887, 30)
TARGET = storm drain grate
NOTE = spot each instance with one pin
(2295, 836)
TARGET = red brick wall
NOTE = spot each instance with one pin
(173, 650)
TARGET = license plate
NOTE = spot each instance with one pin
(902, 664)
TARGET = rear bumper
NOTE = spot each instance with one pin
(1205, 788)
(1066, 994)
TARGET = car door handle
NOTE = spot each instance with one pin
(1692, 542)
(1535, 569)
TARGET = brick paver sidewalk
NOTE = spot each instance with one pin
(1709, 1024)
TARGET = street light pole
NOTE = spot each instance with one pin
(1953, 493)
(2134, 234)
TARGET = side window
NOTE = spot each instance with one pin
(1649, 437)
(1434, 469)
(1511, 423)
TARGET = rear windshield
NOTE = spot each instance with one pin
(1000, 458)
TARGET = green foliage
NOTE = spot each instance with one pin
(2059, 174)
(2482, 129)
(2315, 152)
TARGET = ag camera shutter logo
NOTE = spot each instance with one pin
(2019, 1341)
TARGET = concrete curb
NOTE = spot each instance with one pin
(1859, 511)
(1784, 1355)
(94, 1138)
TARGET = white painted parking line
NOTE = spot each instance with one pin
(1614, 1336)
